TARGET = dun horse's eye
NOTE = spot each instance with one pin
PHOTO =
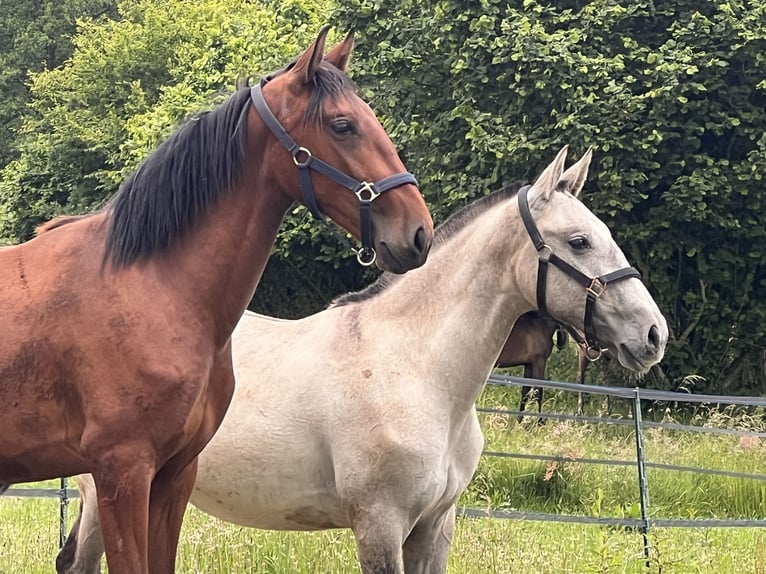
(343, 127)
(579, 243)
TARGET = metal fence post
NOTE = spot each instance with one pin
(63, 504)
(640, 463)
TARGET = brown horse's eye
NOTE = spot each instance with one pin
(343, 127)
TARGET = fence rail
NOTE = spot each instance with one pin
(635, 395)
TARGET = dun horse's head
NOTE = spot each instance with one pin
(338, 160)
(581, 276)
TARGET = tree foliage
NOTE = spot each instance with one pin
(672, 96)
(129, 82)
(34, 35)
(475, 94)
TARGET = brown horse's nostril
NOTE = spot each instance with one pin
(420, 240)
(654, 338)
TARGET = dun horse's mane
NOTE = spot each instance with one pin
(163, 198)
(448, 229)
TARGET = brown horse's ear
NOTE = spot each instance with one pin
(546, 183)
(340, 55)
(308, 63)
(573, 179)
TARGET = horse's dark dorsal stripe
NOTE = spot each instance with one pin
(448, 229)
(162, 199)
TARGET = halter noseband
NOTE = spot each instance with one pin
(365, 191)
(594, 286)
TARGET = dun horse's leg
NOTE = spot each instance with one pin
(427, 547)
(84, 546)
(170, 494)
(378, 541)
(123, 482)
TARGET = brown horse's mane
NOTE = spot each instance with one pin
(180, 179)
(448, 229)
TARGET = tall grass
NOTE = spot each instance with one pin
(28, 545)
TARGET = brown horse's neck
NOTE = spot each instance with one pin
(218, 264)
(234, 242)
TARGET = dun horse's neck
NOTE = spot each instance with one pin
(463, 302)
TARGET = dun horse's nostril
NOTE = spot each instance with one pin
(654, 338)
(420, 240)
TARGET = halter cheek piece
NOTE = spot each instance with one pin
(365, 191)
(594, 286)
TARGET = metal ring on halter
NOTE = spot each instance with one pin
(295, 157)
(369, 188)
(545, 248)
(362, 253)
(592, 354)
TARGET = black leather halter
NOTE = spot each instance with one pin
(594, 286)
(365, 191)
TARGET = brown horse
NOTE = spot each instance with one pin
(103, 369)
(530, 344)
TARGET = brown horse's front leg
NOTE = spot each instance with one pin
(169, 496)
(173, 485)
(123, 479)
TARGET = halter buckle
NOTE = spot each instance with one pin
(300, 150)
(596, 288)
(368, 187)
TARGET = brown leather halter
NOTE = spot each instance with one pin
(594, 286)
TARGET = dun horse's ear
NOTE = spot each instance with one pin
(340, 55)
(573, 179)
(546, 183)
(308, 63)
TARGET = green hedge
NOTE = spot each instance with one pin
(475, 94)
(672, 96)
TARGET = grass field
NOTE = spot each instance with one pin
(29, 527)
(29, 535)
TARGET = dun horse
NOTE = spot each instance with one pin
(530, 344)
(362, 416)
(103, 369)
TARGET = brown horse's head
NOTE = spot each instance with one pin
(316, 105)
